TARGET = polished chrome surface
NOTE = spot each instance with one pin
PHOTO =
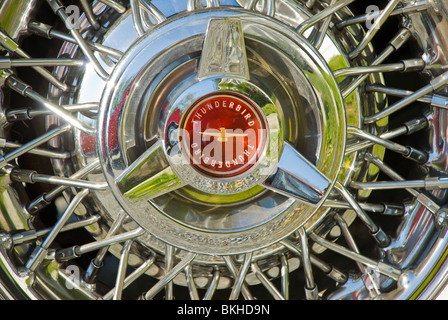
(351, 106)
(303, 181)
(161, 176)
(224, 51)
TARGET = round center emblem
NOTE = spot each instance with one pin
(223, 135)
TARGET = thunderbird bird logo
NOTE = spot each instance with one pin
(223, 135)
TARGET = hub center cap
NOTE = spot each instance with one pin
(223, 135)
(199, 147)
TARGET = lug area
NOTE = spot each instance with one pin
(175, 104)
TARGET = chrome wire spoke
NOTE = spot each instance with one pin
(310, 3)
(32, 144)
(234, 271)
(24, 89)
(374, 28)
(98, 262)
(427, 184)
(45, 199)
(76, 251)
(37, 151)
(59, 10)
(379, 235)
(311, 290)
(193, 5)
(142, 11)
(40, 252)
(267, 6)
(30, 176)
(89, 14)
(323, 29)
(369, 282)
(436, 84)
(241, 276)
(32, 235)
(329, 270)
(403, 66)
(407, 151)
(285, 277)
(49, 32)
(14, 115)
(435, 100)
(169, 262)
(213, 285)
(388, 209)
(380, 267)
(192, 289)
(11, 46)
(153, 12)
(323, 15)
(266, 282)
(407, 128)
(6, 63)
(397, 41)
(114, 5)
(135, 275)
(169, 276)
(405, 8)
(121, 274)
(422, 198)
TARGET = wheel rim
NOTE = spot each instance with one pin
(313, 207)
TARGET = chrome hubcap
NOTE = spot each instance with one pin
(199, 88)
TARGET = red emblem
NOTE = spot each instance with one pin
(223, 135)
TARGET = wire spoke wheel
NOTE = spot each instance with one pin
(232, 149)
